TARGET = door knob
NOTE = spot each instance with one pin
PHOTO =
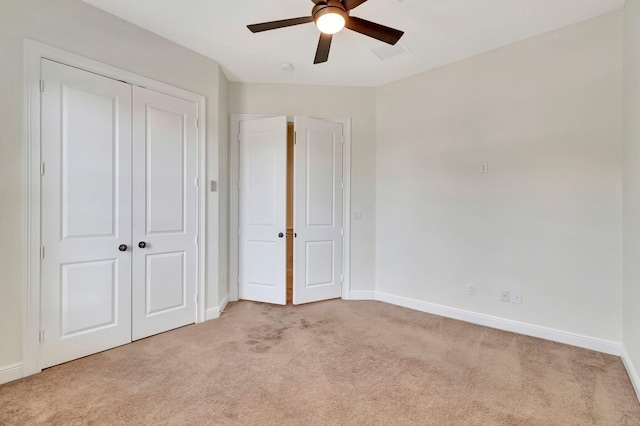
(123, 247)
(142, 244)
(281, 235)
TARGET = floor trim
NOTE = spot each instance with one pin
(362, 295)
(10, 373)
(214, 313)
(631, 371)
(599, 345)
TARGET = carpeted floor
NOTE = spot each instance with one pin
(329, 363)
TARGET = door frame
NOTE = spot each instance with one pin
(234, 169)
(34, 52)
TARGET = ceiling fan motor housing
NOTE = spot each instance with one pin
(330, 6)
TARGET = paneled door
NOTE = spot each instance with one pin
(86, 214)
(318, 210)
(164, 212)
(119, 213)
(262, 210)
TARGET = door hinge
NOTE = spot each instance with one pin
(239, 137)
(195, 298)
(41, 169)
(341, 278)
(343, 139)
(195, 181)
(41, 337)
(196, 239)
(41, 85)
(197, 123)
(295, 138)
(42, 252)
(342, 232)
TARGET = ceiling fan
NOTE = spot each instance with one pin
(331, 16)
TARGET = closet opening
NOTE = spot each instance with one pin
(290, 143)
(289, 240)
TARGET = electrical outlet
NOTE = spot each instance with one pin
(504, 296)
(471, 290)
(517, 297)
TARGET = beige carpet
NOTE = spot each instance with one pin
(329, 363)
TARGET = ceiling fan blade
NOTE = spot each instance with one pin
(371, 29)
(324, 45)
(274, 25)
(352, 4)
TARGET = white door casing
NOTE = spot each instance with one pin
(262, 210)
(318, 210)
(164, 211)
(36, 328)
(234, 239)
(86, 213)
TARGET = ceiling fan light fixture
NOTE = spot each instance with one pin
(330, 18)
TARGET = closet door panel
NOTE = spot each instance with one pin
(262, 210)
(318, 211)
(86, 213)
(165, 213)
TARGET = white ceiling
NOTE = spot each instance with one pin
(437, 32)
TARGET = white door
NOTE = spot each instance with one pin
(318, 211)
(86, 213)
(262, 210)
(164, 212)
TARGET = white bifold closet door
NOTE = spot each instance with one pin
(318, 210)
(104, 192)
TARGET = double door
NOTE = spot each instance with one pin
(119, 202)
(317, 210)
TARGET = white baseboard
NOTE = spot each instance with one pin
(214, 313)
(599, 345)
(223, 304)
(10, 373)
(631, 371)
(362, 295)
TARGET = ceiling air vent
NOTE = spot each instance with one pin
(386, 51)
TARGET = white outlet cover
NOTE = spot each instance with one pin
(517, 297)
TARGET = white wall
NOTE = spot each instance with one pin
(319, 101)
(79, 28)
(631, 235)
(545, 114)
(223, 190)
